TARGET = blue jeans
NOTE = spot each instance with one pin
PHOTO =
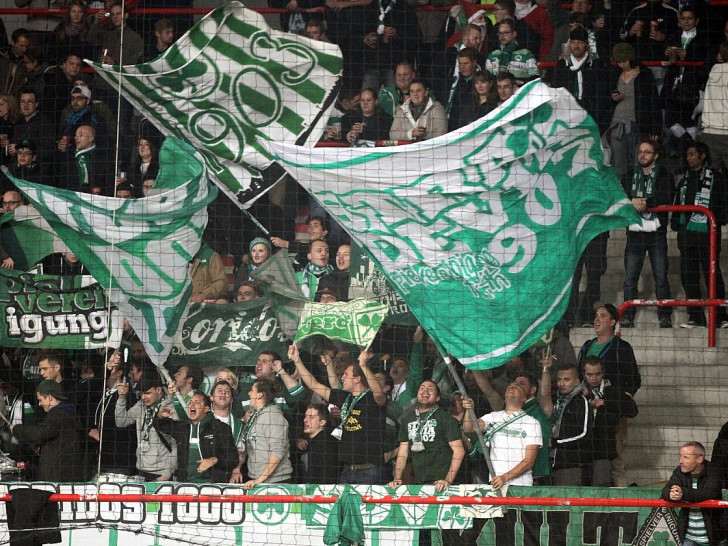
(688, 542)
(368, 476)
(638, 244)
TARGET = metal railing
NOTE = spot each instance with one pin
(711, 303)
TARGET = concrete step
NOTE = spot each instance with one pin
(683, 395)
(710, 416)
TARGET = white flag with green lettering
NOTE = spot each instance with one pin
(230, 81)
(478, 230)
(138, 249)
(356, 321)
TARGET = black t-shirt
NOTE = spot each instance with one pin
(323, 458)
(362, 439)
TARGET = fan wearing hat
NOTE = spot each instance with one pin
(58, 435)
(620, 368)
(260, 251)
(25, 165)
(156, 456)
(579, 72)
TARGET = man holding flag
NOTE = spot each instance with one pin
(363, 419)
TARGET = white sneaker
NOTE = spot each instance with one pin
(692, 324)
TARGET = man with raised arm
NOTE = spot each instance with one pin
(513, 436)
(361, 432)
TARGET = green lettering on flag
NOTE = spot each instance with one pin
(230, 81)
(478, 230)
(355, 322)
(138, 249)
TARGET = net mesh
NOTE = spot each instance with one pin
(486, 173)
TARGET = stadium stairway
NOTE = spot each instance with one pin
(684, 382)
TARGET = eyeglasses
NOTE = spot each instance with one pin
(27, 102)
(6, 203)
(505, 33)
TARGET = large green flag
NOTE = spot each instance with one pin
(230, 81)
(478, 230)
(138, 249)
(356, 322)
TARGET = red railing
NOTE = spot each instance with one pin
(387, 499)
(711, 303)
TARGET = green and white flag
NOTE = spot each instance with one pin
(138, 249)
(230, 81)
(56, 312)
(479, 230)
(28, 238)
(228, 335)
(356, 321)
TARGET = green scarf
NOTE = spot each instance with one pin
(310, 276)
(84, 165)
(644, 186)
(698, 222)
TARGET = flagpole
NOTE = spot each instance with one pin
(481, 440)
(167, 380)
(255, 221)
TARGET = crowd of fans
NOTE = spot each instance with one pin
(339, 416)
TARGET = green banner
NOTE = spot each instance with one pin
(368, 281)
(55, 312)
(229, 335)
(133, 523)
(355, 322)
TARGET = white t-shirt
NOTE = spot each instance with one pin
(508, 446)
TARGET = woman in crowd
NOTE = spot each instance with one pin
(420, 118)
(148, 163)
(635, 108)
(485, 94)
(368, 124)
(259, 252)
(8, 117)
(73, 34)
(229, 377)
(264, 439)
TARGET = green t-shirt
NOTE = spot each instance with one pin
(597, 348)
(436, 430)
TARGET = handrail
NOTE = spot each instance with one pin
(387, 499)
(711, 303)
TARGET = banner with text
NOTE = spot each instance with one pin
(135, 523)
(228, 335)
(56, 312)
